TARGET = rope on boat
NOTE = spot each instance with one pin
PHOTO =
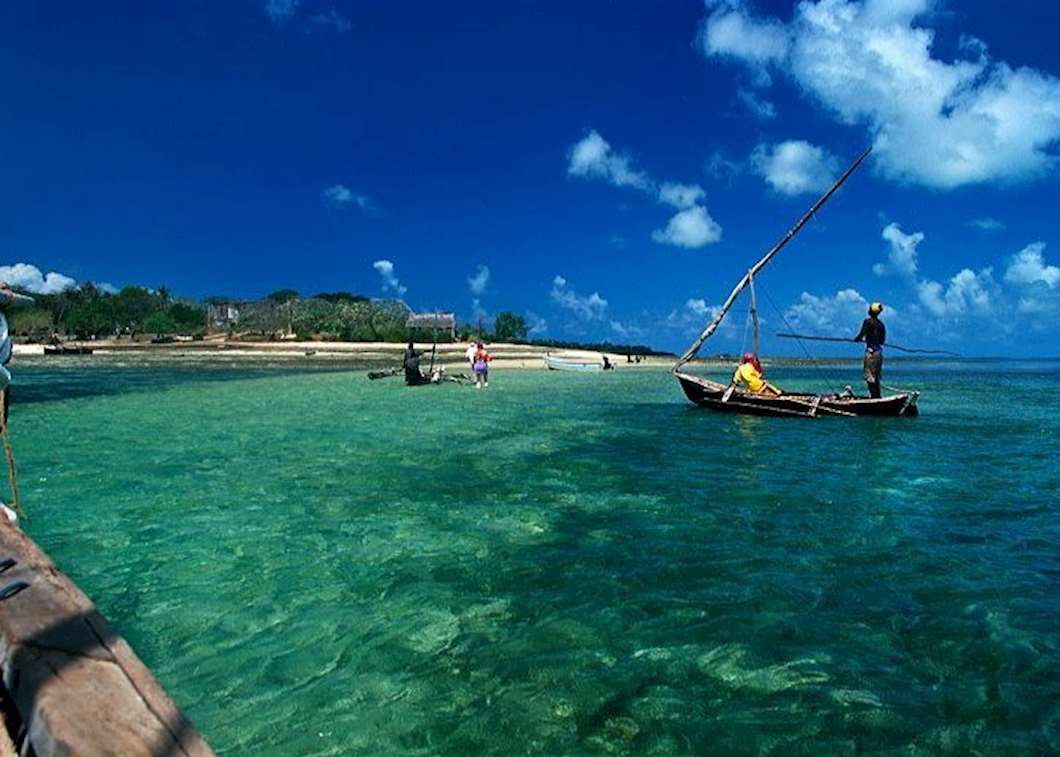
(828, 378)
(9, 453)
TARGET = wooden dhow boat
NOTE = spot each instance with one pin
(733, 399)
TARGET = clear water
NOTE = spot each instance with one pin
(313, 563)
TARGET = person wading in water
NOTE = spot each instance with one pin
(874, 334)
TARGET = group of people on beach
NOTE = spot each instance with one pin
(749, 373)
(478, 358)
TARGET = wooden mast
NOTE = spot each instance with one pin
(763, 262)
(754, 316)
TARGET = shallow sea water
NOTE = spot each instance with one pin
(313, 563)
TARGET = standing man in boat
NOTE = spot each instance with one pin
(874, 334)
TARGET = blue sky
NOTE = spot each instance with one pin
(608, 169)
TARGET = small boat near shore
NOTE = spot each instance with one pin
(579, 363)
(66, 349)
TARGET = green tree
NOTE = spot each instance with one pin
(187, 318)
(159, 322)
(510, 327)
(92, 318)
(35, 322)
(283, 295)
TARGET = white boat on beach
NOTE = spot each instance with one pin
(582, 363)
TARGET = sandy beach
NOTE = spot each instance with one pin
(375, 354)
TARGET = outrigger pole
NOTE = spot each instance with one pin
(885, 344)
(763, 262)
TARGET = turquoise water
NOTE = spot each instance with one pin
(313, 563)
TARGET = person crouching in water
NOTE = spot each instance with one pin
(874, 333)
(411, 363)
(482, 367)
(750, 374)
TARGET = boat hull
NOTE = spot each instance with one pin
(579, 365)
(711, 395)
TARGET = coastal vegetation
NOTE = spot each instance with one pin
(134, 312)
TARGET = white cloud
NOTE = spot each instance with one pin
(339, 196)
(732, 32)
(987, 224)
(390, 280)
(695, 314)
(699, 307)
(535, 323)
(29, 278)
(589, 308)
(681, 195)
(835, 315)
(934, 122)
(967, 293)
(478, 282)
(106, 287)
(626, 330)
(689, 228)
(901, 257)
(479, 313)
(592, 158)
(795, 167)
(1028, 267)
(758, 107)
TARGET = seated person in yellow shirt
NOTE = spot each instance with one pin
(750, 375)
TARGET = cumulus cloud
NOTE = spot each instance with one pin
(967, 293)
(756, 105)
(592, 157)
(1028, 267)
(626, 330)
(341, 196)
(390, 279)
(836, 314)
(681, 195)
(689, 228)
(478, 281)
(589, 308)
(535, 323)
(30, 278)
(690, 318)
(934, 122)
(733, 32)
(901, 257)
(795, 167)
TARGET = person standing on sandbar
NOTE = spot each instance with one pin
(874, 334)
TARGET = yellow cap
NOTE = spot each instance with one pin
(875, 308)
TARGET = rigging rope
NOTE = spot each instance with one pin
(828, 378)
(16, 500)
